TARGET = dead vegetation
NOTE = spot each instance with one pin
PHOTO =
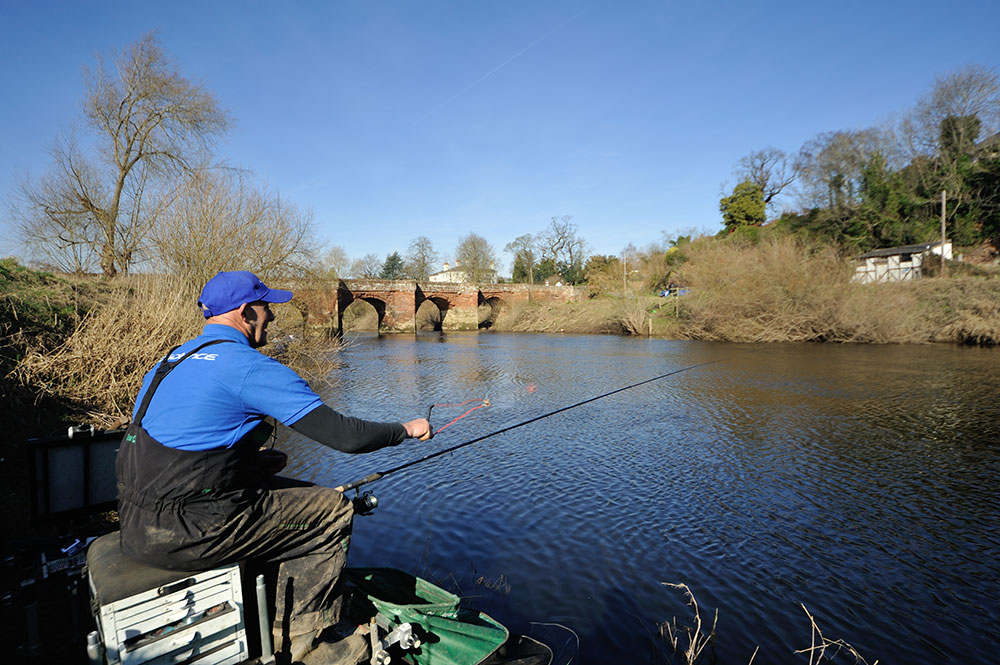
(100, 365)
(689, 642)
(785, 289)
(696, 639)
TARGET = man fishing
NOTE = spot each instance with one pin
(196, 487)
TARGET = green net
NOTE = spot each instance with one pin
(449, 633)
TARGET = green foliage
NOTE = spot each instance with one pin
(959, 134)
(544, 270)
(601, 263)
(750, 234)
(37, 310)
(985, 187)
(393, 267)
(520, 271)
(744, 207)
(572, 273)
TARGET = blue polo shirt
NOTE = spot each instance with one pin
(215, 397)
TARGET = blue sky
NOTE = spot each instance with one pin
(390, 120)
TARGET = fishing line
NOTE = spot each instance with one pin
(381, 474)
(483, 401)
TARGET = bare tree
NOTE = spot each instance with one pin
(831, 165)
(561, 243)
(770, 169)
(475, 256)
(421, 258)
(148, 122)
(335, 262)
(219, 220)
(370, 265)
(940, 132)
(973, 91)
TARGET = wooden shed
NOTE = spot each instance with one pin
(897, 264)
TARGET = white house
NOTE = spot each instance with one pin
(457, 275)
(896, 264)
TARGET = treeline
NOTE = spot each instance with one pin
(887, 186)
(140, 184)
(144, 186)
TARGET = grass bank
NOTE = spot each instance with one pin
(785, 290)
(958, 310)
(605, 314)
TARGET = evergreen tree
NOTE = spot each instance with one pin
(393, 267)
(744, 207)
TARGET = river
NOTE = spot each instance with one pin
(859, 481)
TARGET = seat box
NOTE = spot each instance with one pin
(151, 615)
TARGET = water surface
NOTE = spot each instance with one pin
(860, 481)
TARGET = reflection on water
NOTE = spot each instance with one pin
(859, 481)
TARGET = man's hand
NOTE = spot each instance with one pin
(418, 429)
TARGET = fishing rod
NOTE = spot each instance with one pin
(382, 474)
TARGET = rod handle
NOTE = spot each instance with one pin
(371, 478)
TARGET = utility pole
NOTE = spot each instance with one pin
(624, 274)
(944, 268)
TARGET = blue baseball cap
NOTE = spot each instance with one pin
(228, 290)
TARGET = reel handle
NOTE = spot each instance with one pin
(430, 429)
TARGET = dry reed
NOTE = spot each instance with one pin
(697, 639)
(820, 644)
(785, 289)
(778, 290)
(101, 364)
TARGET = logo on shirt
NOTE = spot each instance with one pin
(195, 356)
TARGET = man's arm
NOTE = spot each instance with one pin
(353, 435)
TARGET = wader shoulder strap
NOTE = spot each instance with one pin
(162, 370)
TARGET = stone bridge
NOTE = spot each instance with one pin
(396, 302)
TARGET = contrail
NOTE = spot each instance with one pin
(488, 74)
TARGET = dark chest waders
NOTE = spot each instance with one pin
(171, 502)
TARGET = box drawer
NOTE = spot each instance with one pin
(187, 642)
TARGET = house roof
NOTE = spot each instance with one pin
(904, 249)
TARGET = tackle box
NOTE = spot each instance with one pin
(151, 615)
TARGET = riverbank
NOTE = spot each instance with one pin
(74, 349)
(962, 310)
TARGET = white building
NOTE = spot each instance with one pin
(457, 275)
(896, 264)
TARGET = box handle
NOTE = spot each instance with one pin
(173, 588)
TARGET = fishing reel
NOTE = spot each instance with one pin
(364, 503)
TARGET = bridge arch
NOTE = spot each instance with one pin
(431, 313)
(397, 302)
(355, 313)
(489, 309)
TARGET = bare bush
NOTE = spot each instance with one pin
(781, 289)
(221, 220)
(633, 316)
(101, 364)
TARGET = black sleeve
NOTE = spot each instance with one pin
(346, 434)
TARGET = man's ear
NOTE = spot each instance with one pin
(244, 310)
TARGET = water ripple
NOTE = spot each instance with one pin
(860, 481)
